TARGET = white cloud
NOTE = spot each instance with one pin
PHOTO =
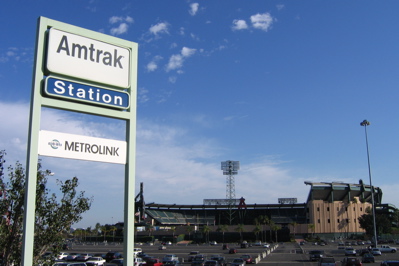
(239, 24)
(123, 27)
(187, 52)
(262, 21)
(153, 64)
(193, 9)
(159, 28)
(176, 61)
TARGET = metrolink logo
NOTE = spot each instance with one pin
(90, 53)
(91, 148)
(55, 144)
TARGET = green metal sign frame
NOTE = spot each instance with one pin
(38, 101)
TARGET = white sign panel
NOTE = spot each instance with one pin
(81, 57)
(79, 147)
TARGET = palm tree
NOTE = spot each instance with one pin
(311, 227)
(294, 224)
(206, 229)
(256, 231)
(264, 220)
(275, 228)
(189, 229)
(240, 229)
(222, 228)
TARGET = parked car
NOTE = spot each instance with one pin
(221, 260)
(70, 264)
(115, 262)
(368, 257)
(387, 249)
(198, 260)
(232, 251)
(238, 262)
(161, 247)
(169, 257)
(112, 256)
(83, 256)
(376, 252)
(248, 259)
(72, 256)
(154, 262)
(350, 251)
(211, 263)
(327, 262)
(315, 255)
(62, 255)
(192, 255)
(390, 263)
(267, 245)
(351, 261)
(95, 261)
(172, 263)
(225, 247)
(213, 243)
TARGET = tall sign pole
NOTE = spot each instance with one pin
(82, 71)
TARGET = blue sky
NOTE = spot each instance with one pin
(280, 86)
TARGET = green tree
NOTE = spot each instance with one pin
(240, 229)
(256, 231)
(294, 224)
(53, 217)
(311, 227)
(189, 229)
(223, 228)
(206, 229)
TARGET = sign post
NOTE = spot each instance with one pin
(85, 72)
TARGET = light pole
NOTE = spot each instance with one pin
(364, 124)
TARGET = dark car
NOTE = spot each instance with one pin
(315, 255)
(221, 260)
(390, 263)
(351, 261)
(232, 251)
(116, 262)
(112, 256)
(172, 263)
(211, 263)
(368, 257)
(248, 259)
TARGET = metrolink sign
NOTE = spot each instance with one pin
(81, 71)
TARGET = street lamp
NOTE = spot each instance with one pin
(364, 124)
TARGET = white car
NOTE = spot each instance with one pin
(376, 251)
(266, 245)
(62, 255)
(349, 251)
(238, 262)
(95, 261)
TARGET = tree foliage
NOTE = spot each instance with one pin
(53, 217)
(383, 224)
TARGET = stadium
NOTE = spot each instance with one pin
(330, 212)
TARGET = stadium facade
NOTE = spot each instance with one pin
(331, 211)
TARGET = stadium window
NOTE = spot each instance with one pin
(337, 209)
(361, 209)
(354, 208)
(337, 220)
(328, 209)
(346, 209)
(328, 221)
(318, 209)
(318, 220)
(354, 220)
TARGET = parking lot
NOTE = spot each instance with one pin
(284, 254)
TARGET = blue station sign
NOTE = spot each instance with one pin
(73, 91)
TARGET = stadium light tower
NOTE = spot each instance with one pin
(364, 124)
(230, 168)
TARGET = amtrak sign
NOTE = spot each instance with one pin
(85, 58)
